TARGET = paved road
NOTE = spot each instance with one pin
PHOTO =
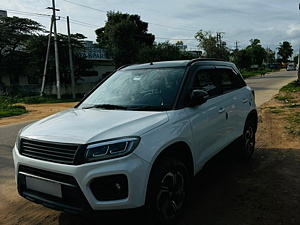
(8, 191)
(266, 87)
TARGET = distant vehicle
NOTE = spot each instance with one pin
(291, 66)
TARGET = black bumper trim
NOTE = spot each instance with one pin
(51, 204)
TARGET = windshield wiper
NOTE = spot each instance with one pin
(106, 106)
(136, 108)
(149, 108)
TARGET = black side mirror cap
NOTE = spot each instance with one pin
(197, 97)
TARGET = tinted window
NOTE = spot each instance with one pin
(229, 80)
(206, 80)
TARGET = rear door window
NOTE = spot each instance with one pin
(229, 80)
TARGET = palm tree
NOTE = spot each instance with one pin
(285, 50)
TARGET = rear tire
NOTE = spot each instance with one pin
(168, 191)
(247, 143)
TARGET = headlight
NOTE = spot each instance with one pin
(110, 149)
(18, 139)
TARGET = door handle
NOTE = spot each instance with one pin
(245, 100)
(221, 110)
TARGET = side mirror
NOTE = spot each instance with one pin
(197, 97)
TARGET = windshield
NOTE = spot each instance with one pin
(144, 89)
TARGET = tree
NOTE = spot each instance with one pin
(14, 34)
(123, 36)
(270, 56)
(285, 51)
(37, 47)
(257, 52)
(242, 58)
(213, 46)
(162, 52)
(253, 54)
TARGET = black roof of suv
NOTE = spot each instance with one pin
(179, 63)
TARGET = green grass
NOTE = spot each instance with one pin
(41, 100)
(293, 131)
(276, 111)
(286, 93)
(288, 99)
(291, 106)
(7, 110)
(294, 124)
(293, 118)
(247, 74)
(291, 87)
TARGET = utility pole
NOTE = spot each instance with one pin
(219, 38)
(220, 43)
(47, 57)
(236, 45)
(299, 62)
(56, 49)
(71, 60)
(299, 58)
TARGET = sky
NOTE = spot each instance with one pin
(238, 21)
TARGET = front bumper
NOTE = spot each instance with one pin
(105, 185)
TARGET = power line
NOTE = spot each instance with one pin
(85, 6)
(77, 22)
(178, 28)
(27, 13)
(180, 39)
(171, 27)
(80, 23)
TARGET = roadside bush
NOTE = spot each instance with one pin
(34, 100)
(47, 99)
(7, 110)
(8, 100)
(18, 92)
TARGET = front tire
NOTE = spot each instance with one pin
(168, 191)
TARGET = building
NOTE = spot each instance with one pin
(181, 46)
(103, 65)
(3, 13)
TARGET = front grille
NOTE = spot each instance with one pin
(54, 152)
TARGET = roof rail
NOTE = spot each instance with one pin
(122, 67)
(203, 59)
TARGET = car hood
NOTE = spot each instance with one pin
(89, 125)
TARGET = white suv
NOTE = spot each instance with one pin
(137, 139)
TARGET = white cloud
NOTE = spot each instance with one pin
(271, 21)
